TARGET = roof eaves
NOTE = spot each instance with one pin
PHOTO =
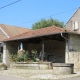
(4, 32)
(34, 36)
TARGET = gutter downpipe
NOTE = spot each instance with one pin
(67, 44)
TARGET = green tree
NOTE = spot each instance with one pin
(47, 23)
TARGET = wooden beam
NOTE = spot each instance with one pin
(42, 58)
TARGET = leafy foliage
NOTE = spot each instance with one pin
(34, 55)
(14, 57)
(23, 56)
(0, 60)
(47, 23)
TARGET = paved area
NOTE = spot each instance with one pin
(7, 77)
(74, 78)
(26, 74)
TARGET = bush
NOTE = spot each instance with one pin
(34, 55)
(3, 66)
(14, 57)
(23, 56)
(0, 60)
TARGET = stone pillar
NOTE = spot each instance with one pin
(67, 52)
(5, 55)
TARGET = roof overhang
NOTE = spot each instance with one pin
(41, 33)
(33, 37)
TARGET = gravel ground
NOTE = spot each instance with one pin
(35, 74)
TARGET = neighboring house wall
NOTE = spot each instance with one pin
(74, 22)
(74, 51)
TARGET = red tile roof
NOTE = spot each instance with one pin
(37, 33)
(2, 36)
(11, 31)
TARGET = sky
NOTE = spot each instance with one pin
(26, 12)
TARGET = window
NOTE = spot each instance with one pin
(75, 26)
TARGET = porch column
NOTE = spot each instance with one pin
(67, 52)
(5, 55)
(42, 58)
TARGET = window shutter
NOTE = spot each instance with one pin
(75, 26)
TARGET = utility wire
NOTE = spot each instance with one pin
(10, 4)
(50, 15)
(37, 19)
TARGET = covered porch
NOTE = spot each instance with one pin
(53, 46)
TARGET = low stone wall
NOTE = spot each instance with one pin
(58, 68)
(74, 57)
(32, 65)
(62, 68)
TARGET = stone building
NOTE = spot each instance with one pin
(51, 40)
(7, 31)
(74, 39)
(61, 45)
